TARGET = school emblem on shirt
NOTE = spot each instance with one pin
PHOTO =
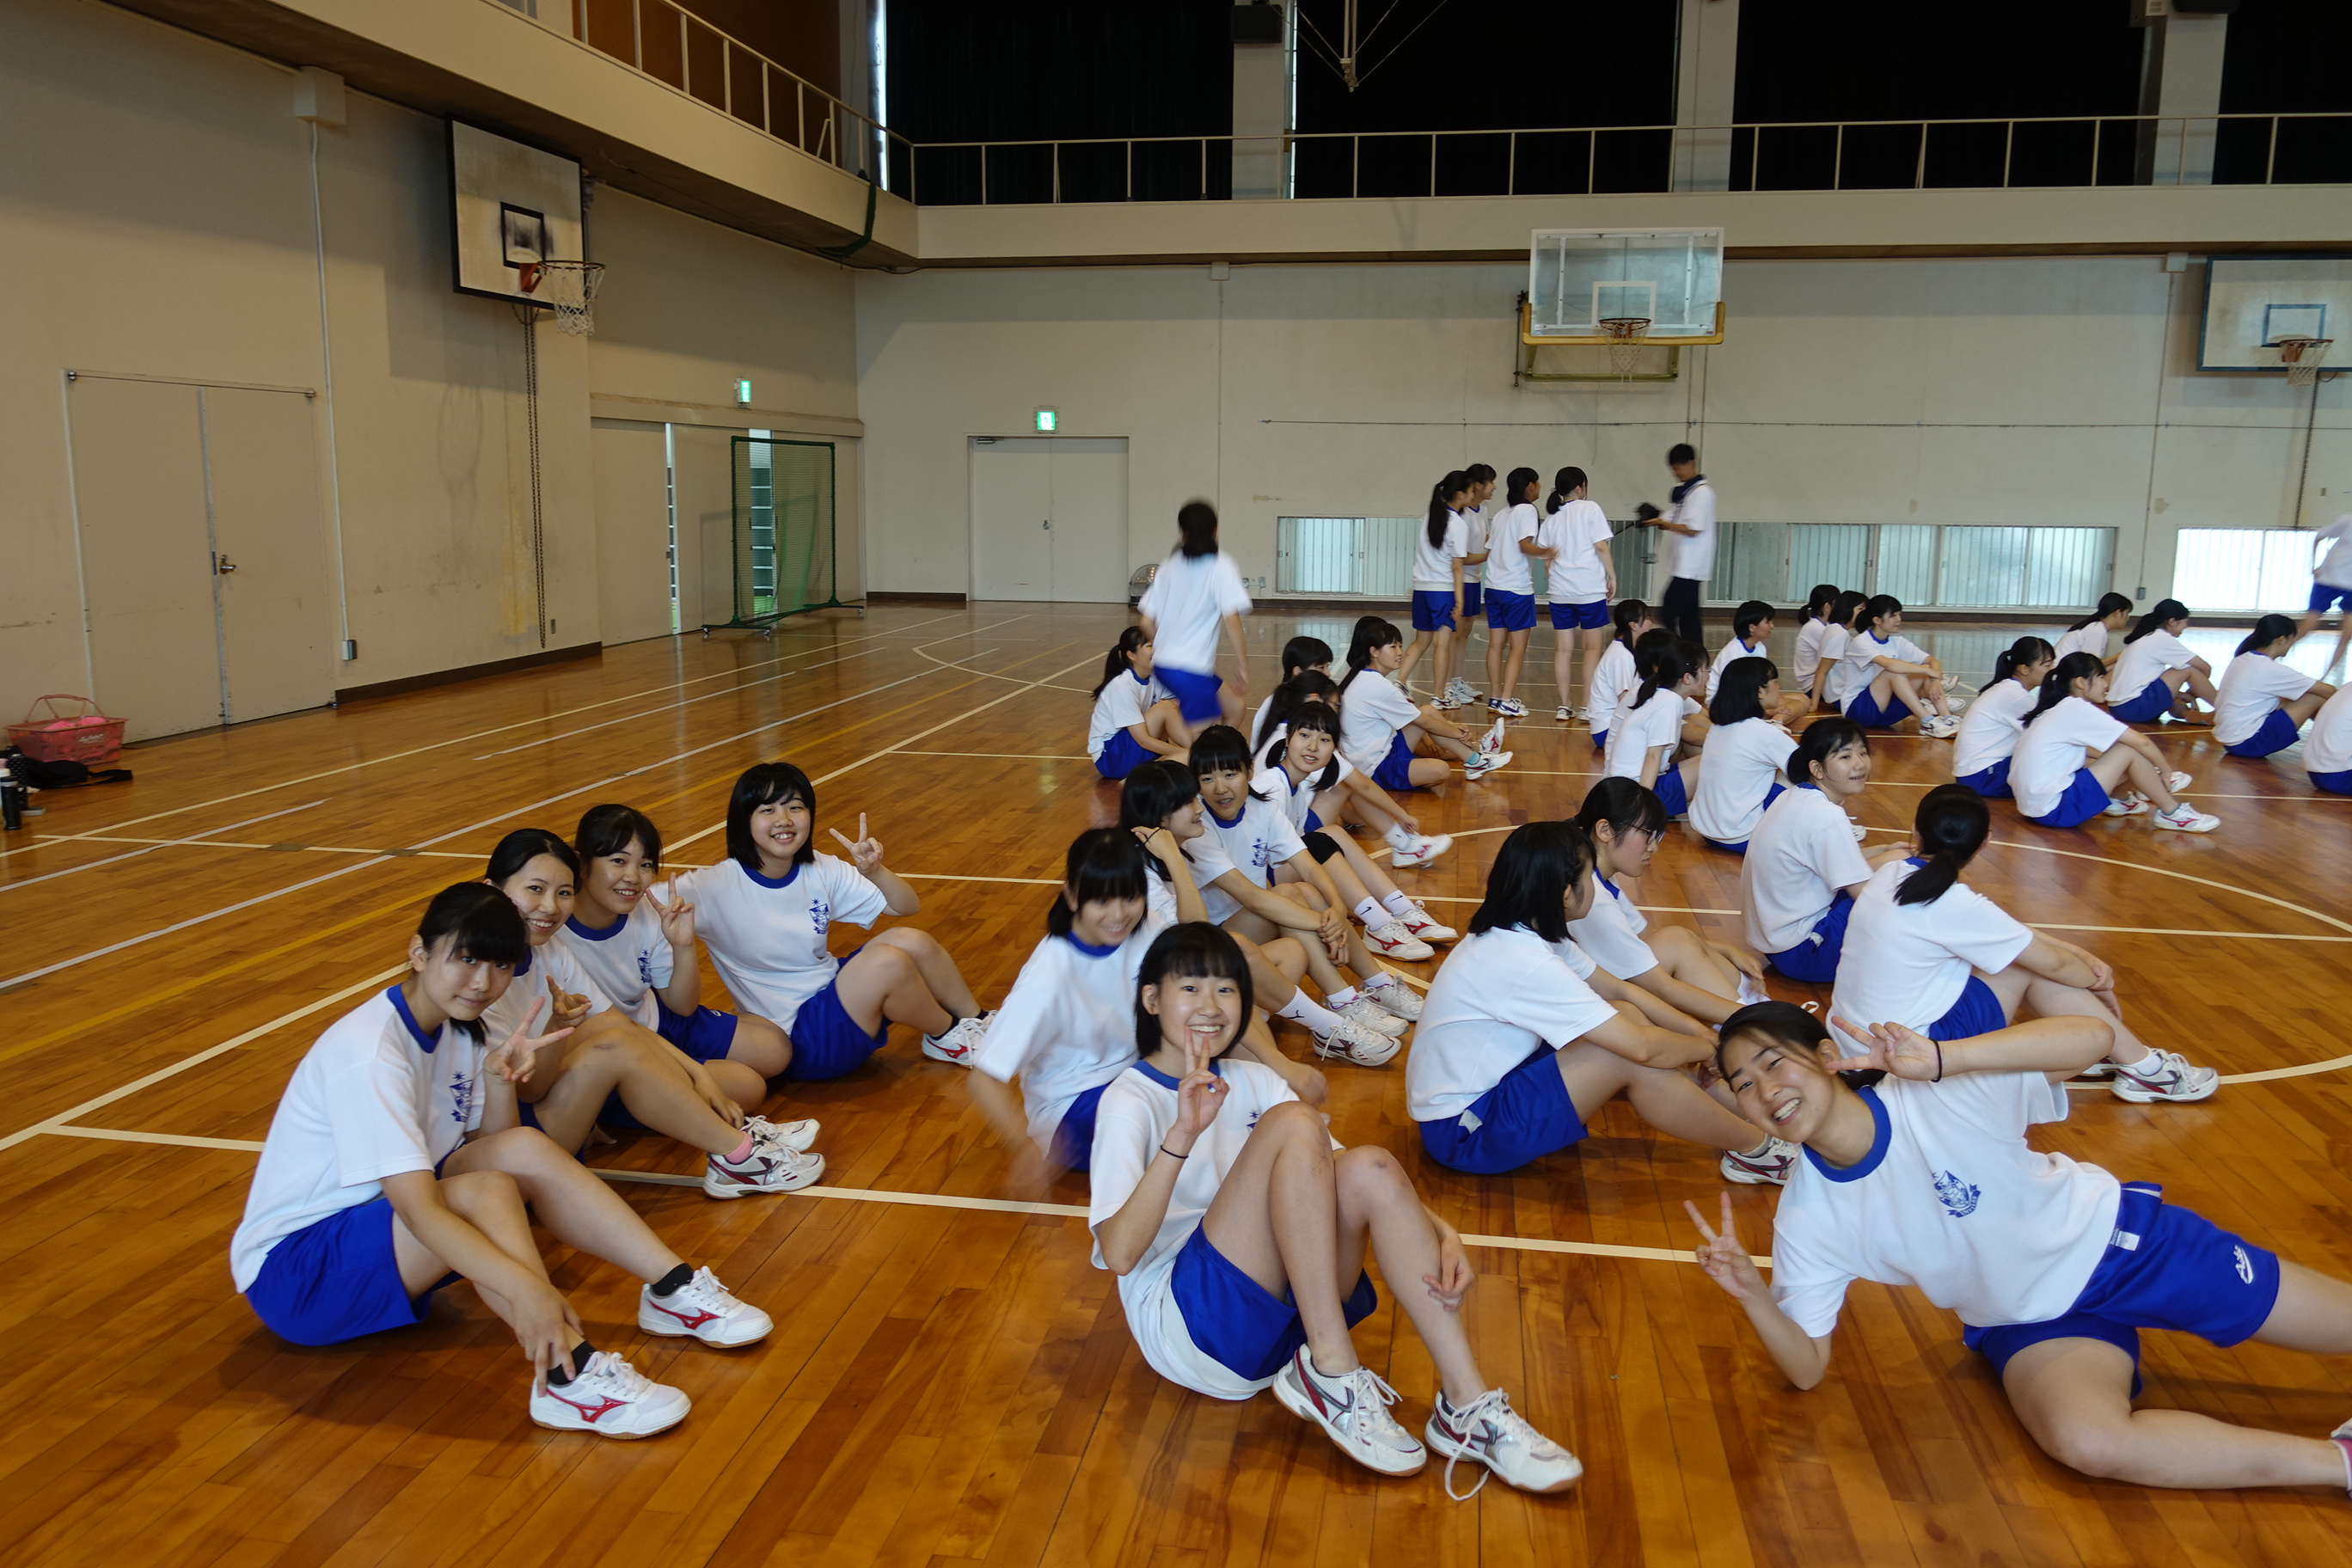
(1959, 1198)
(461, 1098)
(820, 914)
(645, 968)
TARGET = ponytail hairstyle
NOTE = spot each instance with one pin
(1308, 685)
(766, 783)
(2022, 654)
(1951, 825)
(1629, 614)
(1192, 951)
(1565, 483)
(1844, 608)
(1121, 660)
(1302, 653)
(1515, 488)
(2074, 666)
(1818, 601)
(1453, 488)
(481, 925)
(1625, 806)
(1876, 605)
(1739, 693)
(2164, 610)
(524, 845)
(1220, 749)
(1320, 718)
(2267, 630)
(610, 830)
(2108, 604)
(1744, 619)
(1663, 665)
(1820, 741)
(1196, 529)
(1371, 633)
(1479, 474)
(1153, 793)
(1103, 863)
(1526, 887)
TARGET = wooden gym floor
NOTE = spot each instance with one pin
(948, 1381)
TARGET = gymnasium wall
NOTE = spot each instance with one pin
(2000, 390)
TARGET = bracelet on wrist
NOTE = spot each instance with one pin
(1171, 1154)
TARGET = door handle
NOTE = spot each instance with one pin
(1046, 523)
(223, 565)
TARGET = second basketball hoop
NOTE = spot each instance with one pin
(569, 287)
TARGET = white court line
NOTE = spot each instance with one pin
(1015, 756)
(152, 844)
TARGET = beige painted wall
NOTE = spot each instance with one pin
(2050, 390)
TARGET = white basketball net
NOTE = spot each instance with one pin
(2303, 357)
(1625, 335)
(570, 288)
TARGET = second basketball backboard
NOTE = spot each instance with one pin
(514, 207)
(2253, 301)
(1671, 278)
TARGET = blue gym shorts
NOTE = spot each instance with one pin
(1864, 710)
(1509, 612)
(1474, 599)
(1815, 959)
(1234, 1320)
(1669, 789)
(336, 1278)
(1433, 610)
(2153, 701)
(2326, 597)
(1074, 1135)
(1580, 618)
(1978, 1012)
(2085, 799)
(2334, 784)
(1991, 782)
(1520, 1120)
(2277, 734)
(1122, 754)
(827, 1041)
(1196, 695)
(1395, 772)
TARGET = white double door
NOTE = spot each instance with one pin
(203, 563)
(1049, 518)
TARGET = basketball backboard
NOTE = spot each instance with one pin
(512, 204)
(1671, 278)
(2253, 301)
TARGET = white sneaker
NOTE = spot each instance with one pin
(1487, 1431)
(798, 1136)
(1421, 851)
(1354, 1410)
(957, 1044)
(1427, 929)
(1352, 1042)
(2175, 782)
(2126, 805)
(1584, 714)
(1940, 727)
(1508, 707)
(1484, 762)
(703, 1309)
(1459, 691)
(2163, 1075)
(2187, 819)
(1445, 704)
(1395, 996)
(1751, 991)
(771, 1167)
(611, 1399)
(1773, 1167)
(1390, 940)
(1372, 1016)
(1560, 714)
(1860, 832)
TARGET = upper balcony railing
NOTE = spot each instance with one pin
(680, 50)
(1824, 155)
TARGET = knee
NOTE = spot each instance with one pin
(891, 964)
(1296, 1120)
(2098, 1448)
(1372, 1174)
(479, 1192)
(914, 943)
(526, 1150)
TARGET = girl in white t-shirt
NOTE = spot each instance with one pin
(396, 1160)
(2157, 675)
(1805, 861)
(1514, 543)
(2328, 752)
(1456, 689)
(1830, 676)
(1751, 634)
(1580, 579)
(1815, 626)
(1889, 678)
(1989, 734)
(2263, 702)
(1925, 1179)
(1129, 724)
(1925, 950)
(1383, 727)
(1300, 655)
(2090, 634)
(1239, 1233)
(765, 911)
(1441, 549)
(1613, 678)
(615, 1070)
(2073, 757)
(1349, 795)
(1646, 736)
(1526, 1036)
(1743, 764)
(1300, 767)
(1197, 594)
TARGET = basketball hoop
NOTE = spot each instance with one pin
(569, 287)
(1625, 334)
(2302, 358)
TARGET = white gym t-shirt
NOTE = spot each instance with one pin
(1187, 604)
(1121, 705)
(1634, 733)
(1613, 679)
(767, 938)
(1497, 996)
(2053, 748)
(1067, 1023)
(1989, 728)
(1578, 530)
(1736, 770)
(1801, 855)
(1692, 555)
(1433, 564)
(1509, 569)
(1908, 963)
(2251, 690)
(1809, 652)
(627, 962)
(1611, 932)
(1261, 837)
(2144, 661)
(2091, 639)
(548, 961)
(1372, 711)
(1730, 650)
(2328, 744)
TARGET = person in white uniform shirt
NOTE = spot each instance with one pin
(397, 1163)
(1742, 765)
(1239, 1232)
(1614, 676)
(2156, 676)
(1751, 632)
(1982, 751)
(616, 1071)
(1830, 678)
(1815, 626)
(1300, 655)
(1690, 561)
(1889, 677)
(1440, 546)
(1647, 734)
(1805, 861)
(2331, 584)
(1196, 594)
(2327, 749)
(1513, 542)
(2090, 634)
(1385, 728)
(2264, 701)
(1526, 1035)
(1925, 950)
(1479, 481)
(1580, 579)
(1338, 791)
(2073, 759)
(1132, 723)
(2053, 1267)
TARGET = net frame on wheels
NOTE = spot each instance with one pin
(743, 601)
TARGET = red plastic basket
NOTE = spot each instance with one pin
(87, 736)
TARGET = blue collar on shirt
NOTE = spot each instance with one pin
(1878, 1142)
(764, 881)
(1140, 679)
(1686, 487)
(524, 967)
(1611, 886)
(571, 923)
(1210, 813)
(425, 1042)
(1216, 1066)
(1089, 949)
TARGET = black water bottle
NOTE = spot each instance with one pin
(12, 795)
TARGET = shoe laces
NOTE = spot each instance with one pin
(1492, 1410)
(707, 1293)
(1391, 932)
(1369, 1399)
(617, 1376)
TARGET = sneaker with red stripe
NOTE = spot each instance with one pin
(702, 1308)
(611, 1399)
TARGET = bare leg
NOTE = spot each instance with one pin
(1359, 957)
(2300, 709)
(760, 1046)
(1515, 663)
(1376, 1197)
(1257, 1044)
(576, 1206)
(1352, 859)
(1563, 656)
(1684, 954)
(1163, 722)
(1320, 967)
(2021, 994)
(1277, 1218)
(2120, 764)
(884, 981)
(1665, 1097)
(651, 1078)
(740, 1082)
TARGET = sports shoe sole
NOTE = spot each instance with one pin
(673, 1330)
(1433, 1438)
(1747, 1175)
(2124, 1087)
(726, 1193)
(1299, 1405)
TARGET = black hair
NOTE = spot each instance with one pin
(1625, 806)
(610, 830)
(1306, 686)
(1303, 653)
(1321, 718)
(2267, 630)
(1739, 690)
(1818, 601)
(1196, 529)
(2073, 668)
(1220, 747)
(1453, 484)
(1681, 452)
(2019, 655)
(766, 784)
(1744, 619)
(1818, 741)
(1531, 875)
(1151, 794)
(1515, 488)
(1371, 633)
(1194, 950)
(1480, 473)
(2164, 610)
(1951, 825)
(2108, 604)
(1847, 604)
(1121, 660)
(1103, 863)
(1780, 1024)
(1629, 614)
(1876, 607)
(1563, 484)
(1663, 665)
(524, 845)
(481, 925)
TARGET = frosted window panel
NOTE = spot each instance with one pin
(1752, 562)
(1907, 563)
(1835, 552)
(1387, 571)
(2068, 568)
(2256, 569)
(1319, 554)
(1980, 566)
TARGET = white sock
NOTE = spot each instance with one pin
(1370, 913)
(1380, 981)
(1403, 908)
(1304, 1009)
(1335, 1000)
(1398, 838)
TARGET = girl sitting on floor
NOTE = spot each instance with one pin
(2073, 758)
(1989, 734)
(2157, 675)
(2263, 702)
(1889, 678)
(1351, 795)
(1806, 862)
(1385, 727)
(1129, 726)
(1646, 735)
(1743, 764)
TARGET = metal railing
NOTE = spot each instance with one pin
(2040, 153)
(672, 46)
